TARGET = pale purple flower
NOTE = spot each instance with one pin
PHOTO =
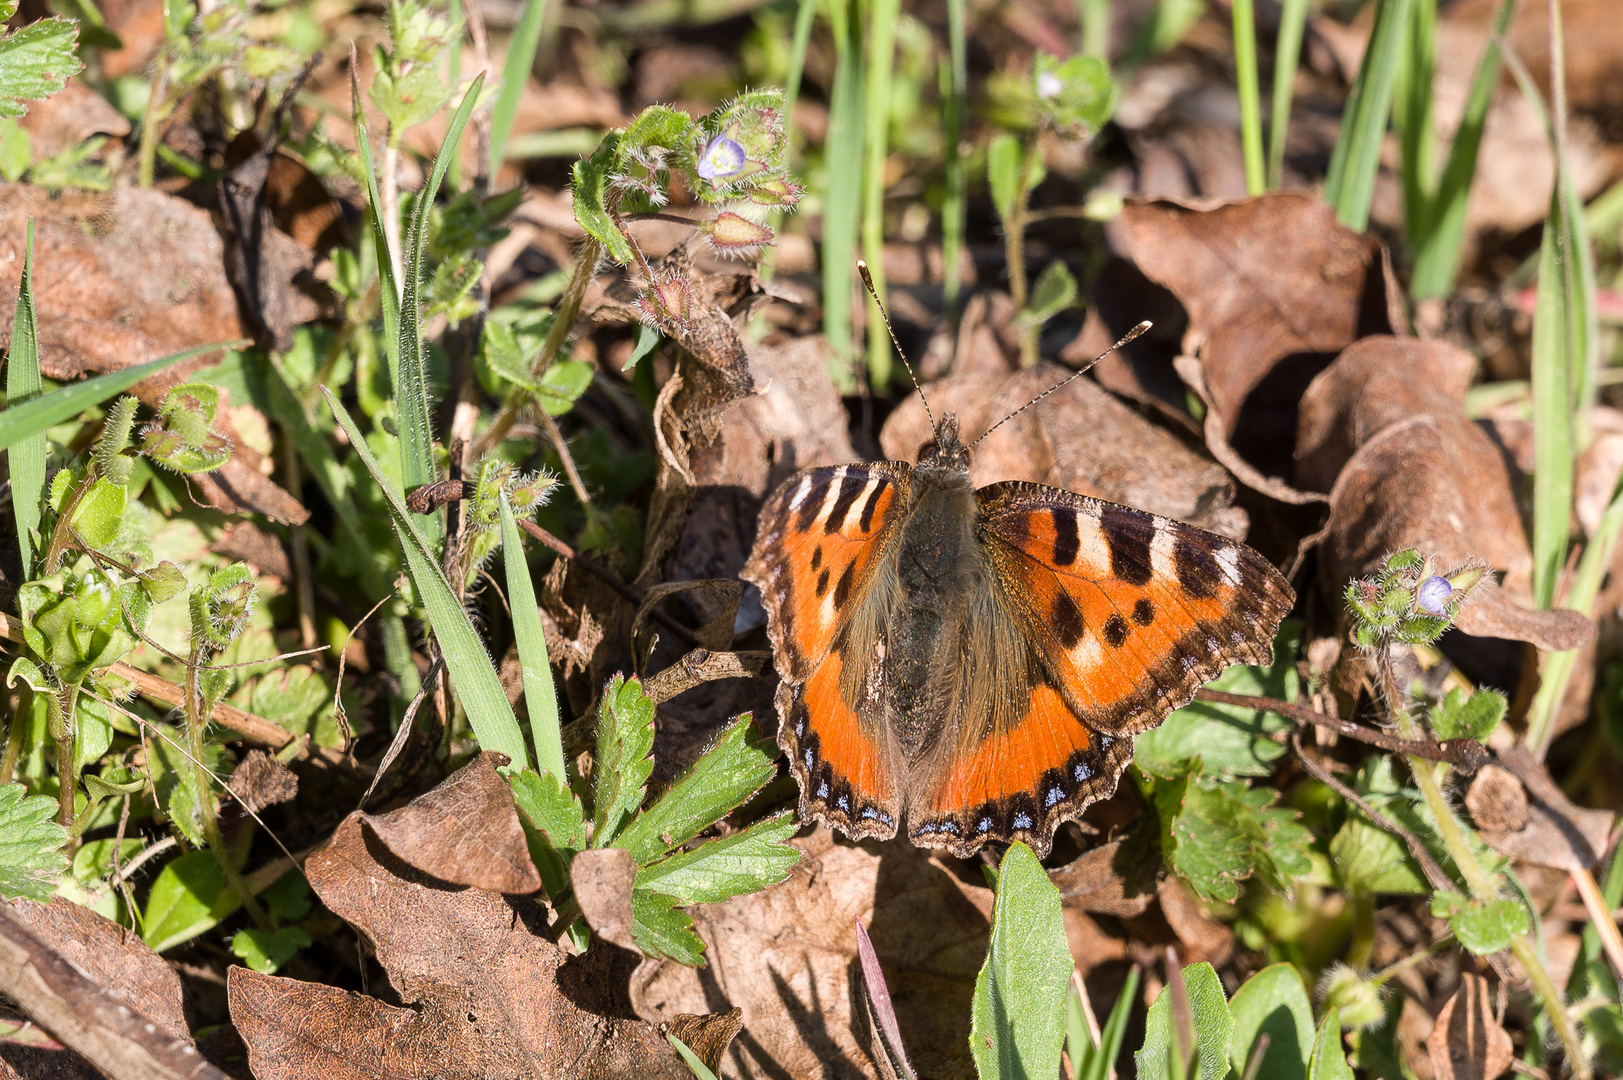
(1432, 596)
(722, 159)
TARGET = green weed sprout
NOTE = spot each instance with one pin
(734, 160)
(1071, 99)
(1408, 602)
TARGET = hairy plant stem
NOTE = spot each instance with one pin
(147, 154)
(59, 719)
(196, 725)
(1479, 883)
(562, 323)
(389, 206)
(20, 716)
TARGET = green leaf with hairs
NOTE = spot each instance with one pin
(36, 61)
(625, 738)
(1018, 1019)
(588, 189)
(717, 870)
(31, 858)
(1213, 1024)
(661, 928)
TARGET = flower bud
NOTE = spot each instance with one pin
(733, 234)
(667, 301)
(1432, 595)
(1358, 997)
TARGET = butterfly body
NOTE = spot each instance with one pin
(971, 664)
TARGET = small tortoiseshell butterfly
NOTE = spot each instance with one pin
(974, 663)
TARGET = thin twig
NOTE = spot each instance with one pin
(1605, 925)
(607, 576)
(128, 871)
(1467, 754)
(564, 456)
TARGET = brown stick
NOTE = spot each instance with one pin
(88, 1018)
(1465, 754)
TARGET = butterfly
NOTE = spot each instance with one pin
(972, 665)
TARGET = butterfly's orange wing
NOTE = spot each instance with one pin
(824, 562)
(1129, 614)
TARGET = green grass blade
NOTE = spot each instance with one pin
(1245, 71)
(540, 697)
(1115, 1029)
(1094, 15)
(1287, 53)
(805, 15)
(955, 106)
(1411, 114)
(389, 290)
(515, 74)
(699, 1069)
(842, 201)
(26, 458)
(1437, 248)
(18, 422)
(1018, 1023)
(1552, 410)
(411, 391)
(473, 675)
(1350, 184)
(882, 16)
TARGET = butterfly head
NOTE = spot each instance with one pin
(947, 452)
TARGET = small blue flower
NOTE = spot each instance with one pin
(722, 159)
(1432, 596)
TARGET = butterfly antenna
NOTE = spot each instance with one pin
(1125, 338)
(884, 316)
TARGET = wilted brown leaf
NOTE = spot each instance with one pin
(1078, 438)
(488, 994)
(1117, 878)
(259, 780)
(465, 831)
(1274, 288)
(1543, 827)
(1468, 1042)
(602, 879)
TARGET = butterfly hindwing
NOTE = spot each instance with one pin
(1132, 612)
(822, 560)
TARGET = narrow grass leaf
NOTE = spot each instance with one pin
(1245, 70)
(540, 696)
(1552, 409)
(1412, 116)
(1095, 1062)
(1287, 52)
(477, 683)
(955, 107)
(625, 738)
(733, 769)
(745, 862)
(1437, 246)
(873, 980)
(699, 1069)
(1350, 184)
(1273, 1002)
(26, 457)
(521, 48)
(842, 202)
(1214, 1026)
(35, 417)
(881, 40)
(1018, 1019)
(411, 390)
(389, 284)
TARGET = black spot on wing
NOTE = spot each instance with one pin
(842, 590)
(1067, 542)
(1115, 631)
(1128, 534)
(1196, 566)
(1143, 611)
(822, 583)
(817, 557)
(1067, 620)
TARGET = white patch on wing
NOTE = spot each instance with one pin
(1093, 550)
(853, 516)
(802, 489)
(832, 495)
(1163, 547)
(1228, 561)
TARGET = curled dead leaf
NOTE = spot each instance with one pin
(1524, 814)
(465, 831)
(1079, 438)
(259, 780)
(1468, 1042)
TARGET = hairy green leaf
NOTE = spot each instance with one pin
(554, 825)
(36, 61)
(1329, 1061)
(26, 458)
(1214, 1027)
(589, 192)
(1482, 926)
(1273, 1002)
(1467, 716)
(735, 767)
(1216, 834)
(31, 858)
(661, 928)
(718, 870)
(1018, 1022)
(625, 738)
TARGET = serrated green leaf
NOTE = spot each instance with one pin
(1017, 1025)
(1216, 834)
(562, 384)
(267, 950)
(1467, 716)
(1273, 1002)
(26, 459)
(554, 825)
(408, 99)
(31, 858)
(735, 865)
(625, 738)
(589, 198)
(1482, 926)
(473, 675)
(735, 767)
(1329, 1061)
(36, 61)
(1230, 741)
(1214, 1027)
(661, 928)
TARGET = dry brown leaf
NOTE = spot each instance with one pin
(65, 120)
(1078, 438)
(1552, 830)
(487, 994)
(109, 955)
(602, 879)
(1468, 1042)
(1497, 800)
(1141, 370)
(1117, 878)
(259, 780)
(1274, 288)
(787, 957)
(465, 831)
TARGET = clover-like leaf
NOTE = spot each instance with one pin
(1482, 926)
(1462, 715)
